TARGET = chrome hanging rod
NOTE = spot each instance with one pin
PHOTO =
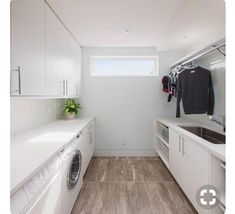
(200, 55)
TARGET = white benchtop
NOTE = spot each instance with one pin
(32, 149)
(217, 150)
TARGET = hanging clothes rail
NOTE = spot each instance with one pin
(186, 61)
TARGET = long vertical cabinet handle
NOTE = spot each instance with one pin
(76, 89)
(179, 143)
(183, 152)
(63, 90)
(19, 79)
(66, 81)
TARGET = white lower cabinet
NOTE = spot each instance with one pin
(189, 164)
(217, 179)
(88, 148)
(175, 156)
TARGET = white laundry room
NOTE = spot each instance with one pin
(118, 107)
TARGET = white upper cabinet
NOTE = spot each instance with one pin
(56, 59)
(62, 58)
(45, 58)
(73, 75)
(27, 47)
(78, 71)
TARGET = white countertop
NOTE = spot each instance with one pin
(32, 149)
(217, 150)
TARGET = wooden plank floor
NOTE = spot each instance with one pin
(126, 185)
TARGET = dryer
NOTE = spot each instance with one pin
(72, 179)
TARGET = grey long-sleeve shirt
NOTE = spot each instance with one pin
(194, 87)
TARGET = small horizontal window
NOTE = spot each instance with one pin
(124, 66)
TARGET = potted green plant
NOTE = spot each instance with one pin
(71, 108)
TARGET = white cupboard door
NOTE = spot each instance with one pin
(217, 179)
(189, 164)
(56, 58)
(91, 138)
(70, 49)
(78, 71)
(195, 170)
(84, 151)
(27, 47)
(88, 145)
(73, 72)
(175, 155)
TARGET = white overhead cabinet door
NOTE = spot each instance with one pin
(62, 58)
(73, 75)
(56, 58)
(27, 47)
(45, 58)
(78, 71)
(72, 71)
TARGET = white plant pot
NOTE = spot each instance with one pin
(70, 116)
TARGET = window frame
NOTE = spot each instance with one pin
(154, 57)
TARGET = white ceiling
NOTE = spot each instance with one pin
(165, 24)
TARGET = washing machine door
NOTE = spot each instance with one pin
(74, 169)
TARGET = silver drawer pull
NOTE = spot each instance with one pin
(222, 207)
(63, 88)
(223, 165)
(179, 143)
(183, 152)
(76, 89)
(66, 83)
(19, 79)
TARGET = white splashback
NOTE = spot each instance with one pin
(215, 62)
(28, 113)
(125, 107)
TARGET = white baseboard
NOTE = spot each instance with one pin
(126, 152)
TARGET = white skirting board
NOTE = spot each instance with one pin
(126, 152)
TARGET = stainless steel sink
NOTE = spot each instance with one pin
(209, 135)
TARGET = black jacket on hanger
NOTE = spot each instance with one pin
(194, 87)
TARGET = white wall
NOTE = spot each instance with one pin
(125, 106)
(28, 113)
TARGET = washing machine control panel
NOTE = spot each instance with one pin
(34, 186)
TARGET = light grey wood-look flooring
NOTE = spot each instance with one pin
(126, 185)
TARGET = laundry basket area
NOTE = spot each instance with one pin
(161, 141)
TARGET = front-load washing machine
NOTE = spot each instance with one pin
(71, 174)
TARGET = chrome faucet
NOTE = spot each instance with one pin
(222, 123)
